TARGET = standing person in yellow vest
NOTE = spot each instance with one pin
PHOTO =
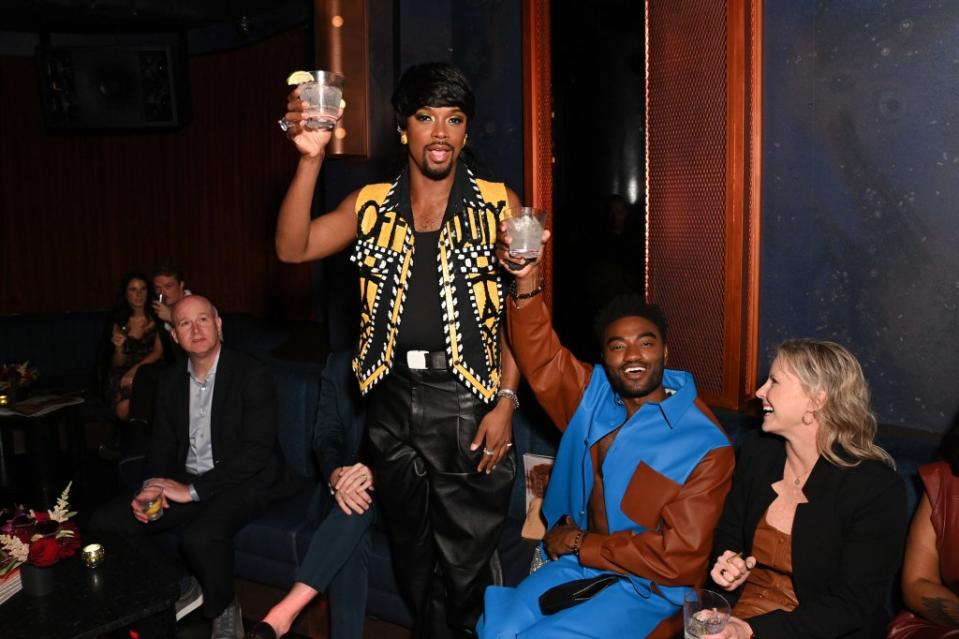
(432, 358)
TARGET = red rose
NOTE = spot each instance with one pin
(69, 545)
(41, 515)
(44, 552)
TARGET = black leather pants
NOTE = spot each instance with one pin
(444, 517)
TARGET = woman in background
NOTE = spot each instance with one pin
(134, 340)
(812, 532)
(930, 574)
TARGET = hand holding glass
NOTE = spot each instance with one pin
(322, 95)
(704, 613)
(150, 502)
(525, 226)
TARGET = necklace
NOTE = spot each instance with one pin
(797, 477)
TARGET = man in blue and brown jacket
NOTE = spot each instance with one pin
(639, 481)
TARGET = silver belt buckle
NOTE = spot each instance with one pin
(416, 360)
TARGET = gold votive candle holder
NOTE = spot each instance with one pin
(92, 555)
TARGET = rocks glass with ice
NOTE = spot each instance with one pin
(322, 94)
(150, 502)
(525, 227)
(704, 613)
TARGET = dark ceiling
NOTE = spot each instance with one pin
(39, 16)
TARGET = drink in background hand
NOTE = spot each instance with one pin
(525, 226)
(150, 502)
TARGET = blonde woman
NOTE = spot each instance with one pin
(812, 533)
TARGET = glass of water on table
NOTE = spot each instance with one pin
(704, 613)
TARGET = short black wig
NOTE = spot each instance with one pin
(435, 84)
(629, 305)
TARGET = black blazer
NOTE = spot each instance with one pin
(340, 426)
(847, 541)
(243, 428)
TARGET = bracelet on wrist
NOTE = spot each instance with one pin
(525, 296)
(510, 395)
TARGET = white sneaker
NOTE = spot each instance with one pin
(190, 599)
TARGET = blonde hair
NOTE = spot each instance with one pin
(845, 418)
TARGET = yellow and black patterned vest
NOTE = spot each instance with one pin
(471, 292)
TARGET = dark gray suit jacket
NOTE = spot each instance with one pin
(246, 453)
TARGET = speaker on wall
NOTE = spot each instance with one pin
(113, 86)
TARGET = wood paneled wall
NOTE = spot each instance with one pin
(77, 211)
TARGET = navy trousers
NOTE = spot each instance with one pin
(336, 564)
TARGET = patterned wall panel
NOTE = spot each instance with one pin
(687, 182)
(701, 193)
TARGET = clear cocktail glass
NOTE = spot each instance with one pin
(704, 613)
(525, 226)
(323, 95)
(150, 502)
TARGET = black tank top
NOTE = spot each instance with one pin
(421, 323)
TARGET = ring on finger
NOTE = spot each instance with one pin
(487, 451)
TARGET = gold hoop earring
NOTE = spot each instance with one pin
(403, 139)
(466, 138)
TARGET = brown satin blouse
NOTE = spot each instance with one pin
(769, 586)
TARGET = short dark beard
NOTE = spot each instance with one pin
(627, 393)
(436, 174)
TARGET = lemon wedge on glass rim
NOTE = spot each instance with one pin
(299, 77)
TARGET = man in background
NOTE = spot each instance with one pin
(170, 288)
(215, 455)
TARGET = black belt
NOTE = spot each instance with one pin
(425, 360)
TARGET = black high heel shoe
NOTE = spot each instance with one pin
(261, 630)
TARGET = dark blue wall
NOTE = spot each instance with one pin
(860, 193)
(483, 38)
